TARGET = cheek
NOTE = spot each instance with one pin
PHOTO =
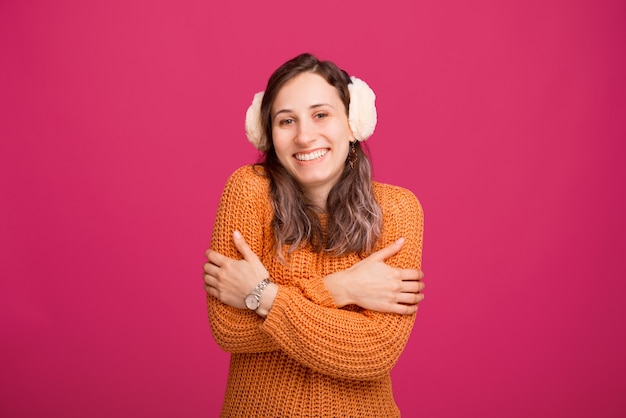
(343, 137)
(341, 129)
(281, 148)
(345, 151)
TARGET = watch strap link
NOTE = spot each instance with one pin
(261, 287)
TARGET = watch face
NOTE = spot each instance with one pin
(252, 302)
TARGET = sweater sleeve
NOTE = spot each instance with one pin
(353, 344)
(241, 208)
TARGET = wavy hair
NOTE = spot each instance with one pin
(355, 218)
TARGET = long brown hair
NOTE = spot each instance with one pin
(355, 218)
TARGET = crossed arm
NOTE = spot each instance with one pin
(302, 319)
(370, 283)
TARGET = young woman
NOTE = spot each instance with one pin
(313, 276)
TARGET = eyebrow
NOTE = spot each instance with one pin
(315, 106)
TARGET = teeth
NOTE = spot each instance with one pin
(312, 156)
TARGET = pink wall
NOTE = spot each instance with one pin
(121, 120)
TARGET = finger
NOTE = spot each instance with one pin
(242, 246)
(402, 309)
(209, 280)
(410, 274)
(411, 286)
(410, 298)
(212, 268)
(415, 298)
(212, 291)
(388, 251)
(215, 258)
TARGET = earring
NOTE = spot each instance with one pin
(352, 155)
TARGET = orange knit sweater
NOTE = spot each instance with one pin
(308, 358)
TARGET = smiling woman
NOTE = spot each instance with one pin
(313, 276)
(309, 132)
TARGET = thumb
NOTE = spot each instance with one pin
(242, 246)
(388, 251)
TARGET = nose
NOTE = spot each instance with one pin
(306, 132)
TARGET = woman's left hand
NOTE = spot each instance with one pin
(231, 280)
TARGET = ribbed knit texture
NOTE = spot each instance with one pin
(308, 358)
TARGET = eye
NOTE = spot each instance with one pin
(320, 115)
(287, 121)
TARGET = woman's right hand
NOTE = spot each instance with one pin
(374, 285)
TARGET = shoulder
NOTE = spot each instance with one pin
(247, 187)
(402, 217)
(396, 200)
(250, 178)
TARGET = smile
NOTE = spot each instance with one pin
(311, 156)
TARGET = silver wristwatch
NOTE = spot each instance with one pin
(253, 299)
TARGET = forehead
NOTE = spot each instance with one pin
(305, 90)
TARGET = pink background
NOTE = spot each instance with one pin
(121, 120)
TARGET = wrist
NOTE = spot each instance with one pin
(267, 300)
(253, 299)
(337, 288)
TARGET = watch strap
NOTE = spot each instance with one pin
(261, 287)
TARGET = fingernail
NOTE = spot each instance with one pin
(400, 241)
(237, 234)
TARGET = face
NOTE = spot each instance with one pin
(311, 133)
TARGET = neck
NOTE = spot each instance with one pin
(318, 196)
